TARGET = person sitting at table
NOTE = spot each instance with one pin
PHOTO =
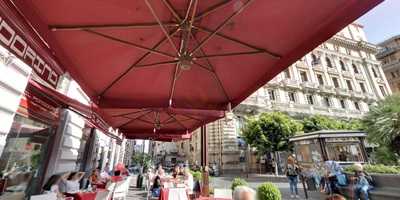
(94, 177)
(181, 170)
(117, 176)
(160, 171)
(244, 193)
(72, 182)
(52, 185)
(156, 187)
(176, 171)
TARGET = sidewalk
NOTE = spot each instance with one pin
(134, 192)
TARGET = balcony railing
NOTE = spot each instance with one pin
(328, 89)
(291, 83)
(347, 74)
(309, 85)
(359, 76)
(302, 64)
(357, 94)
(332, 70)
(342, 92)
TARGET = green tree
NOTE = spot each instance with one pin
(270, 132)
(319, 122)
(142, 159)
(382, 123)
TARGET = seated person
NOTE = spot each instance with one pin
(72, 184)
(361, 186)
(52, 185)
(117, 176)
(244, 193)
(155, 189)
(176, 172)
(94, 177)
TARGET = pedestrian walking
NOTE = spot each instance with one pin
(292, 172)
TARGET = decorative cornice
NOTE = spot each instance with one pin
(350, 43)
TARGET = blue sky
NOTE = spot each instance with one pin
(382, 22)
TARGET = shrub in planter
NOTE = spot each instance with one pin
(268, 191)
(238, 182)
(376, 169)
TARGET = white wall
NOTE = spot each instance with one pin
(14, 76)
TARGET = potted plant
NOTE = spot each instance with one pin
(268, 191)
(238, 182)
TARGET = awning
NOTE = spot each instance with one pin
(181, 54)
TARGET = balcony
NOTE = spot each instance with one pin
(309, 85)
(302, 64)
(327, 89)
(370, 96)
(347, 74)
(318, 67)
(359, 76)
(290, 83)
(342, 92)
(332, 70)
(357, 94)
(254, 101)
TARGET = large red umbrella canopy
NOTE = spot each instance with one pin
(156, 122)
(191, 54)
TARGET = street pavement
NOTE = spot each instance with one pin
(225, 182)
(255, 181)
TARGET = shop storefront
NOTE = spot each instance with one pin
(43, 132)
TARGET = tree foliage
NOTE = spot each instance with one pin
(382, 123)
(142, 159)
(319, 122)
(270, 132)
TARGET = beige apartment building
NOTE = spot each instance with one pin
(390, 58)
(341, 78)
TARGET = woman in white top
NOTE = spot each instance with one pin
(72, 183)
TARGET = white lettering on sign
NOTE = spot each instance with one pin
(18, 45)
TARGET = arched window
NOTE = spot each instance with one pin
(355, 69)
(314, 59)
(342, 65)
(328, 62)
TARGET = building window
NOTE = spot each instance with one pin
(355, 69)
(335, 82)
(310, 99)
(271, 94)
(303, 76)
(314, 59)
(328, 62)
(383, 91)
(342, 104)
(349, 85)
(362, 86)
(374, 72)
(292, 97)
(342, 65)
(320, 79)
(326, 102)
(287, 73)
(357, 105)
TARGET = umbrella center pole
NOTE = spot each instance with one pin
(185, 59)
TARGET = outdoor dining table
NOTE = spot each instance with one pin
(85, 195)
(212, 198)
(173, 194)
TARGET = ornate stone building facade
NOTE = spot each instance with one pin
(390, 58)
(340, 78)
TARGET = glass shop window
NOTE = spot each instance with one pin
(344, 151)
(23, 159)
(308, 151)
